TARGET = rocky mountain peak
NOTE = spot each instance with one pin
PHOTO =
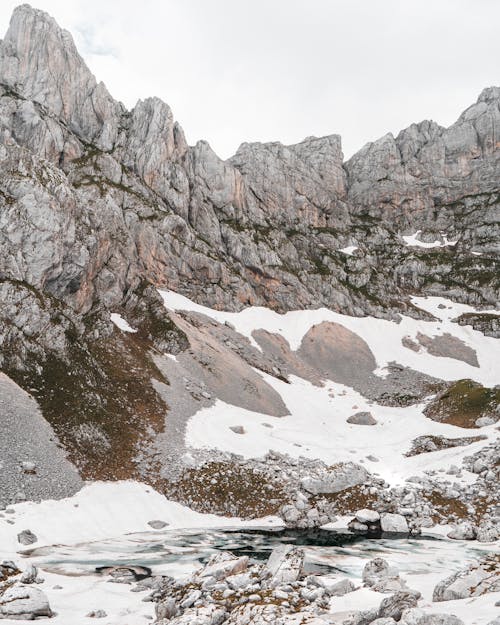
(40, 62)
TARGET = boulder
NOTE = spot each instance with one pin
(478, 579)
(285, 564)
(367, 516)
(362, 418)
(463, 531)
(29, 575)
(377, 569)
(415, 616)
(222, 565)
(158, 525)
(488, 532)
(204, 615)
(26, 537)
(24, 603)
(393, 523)
(396, 604)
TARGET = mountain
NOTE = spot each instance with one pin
(284, 338)
(101, 206)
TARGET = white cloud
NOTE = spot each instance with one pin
(285, 69)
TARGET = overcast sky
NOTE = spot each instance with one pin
(267, 70)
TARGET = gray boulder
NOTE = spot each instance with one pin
(416, 616)
(24, 603)
(157, 524)
(285, 564)
(336, 479)
(362, 418)
(394, 523)
(26, 537)
(464, 531)
(396, 604)
(478, 579)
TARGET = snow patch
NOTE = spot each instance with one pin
(413, 241)
(121, 323)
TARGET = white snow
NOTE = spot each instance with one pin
(121, 323)
(101, 510)
(413, 241)
(382, 336)
(105, 510)
(349, 250)
(316, 426)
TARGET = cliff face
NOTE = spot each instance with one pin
(96, 198)
(99, 204)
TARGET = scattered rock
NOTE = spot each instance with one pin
(362, 418)
(26, 537)
(158, 525)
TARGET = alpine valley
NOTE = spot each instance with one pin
(262, 390)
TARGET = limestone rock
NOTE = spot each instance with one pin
(24, 602)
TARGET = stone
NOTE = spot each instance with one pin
(464, 531)
(96, 614)
(362, 418)
(285, 564)
(24, 603)
(394, 523)
(237, 429)
(158, 525)
(223, 565)
(367, 516)
(478, 579)
(415, 616)
(484, 421)
(396, 604)
(336, 479)
(29, 575)
(26, 537)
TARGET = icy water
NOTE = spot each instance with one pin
(179, 553)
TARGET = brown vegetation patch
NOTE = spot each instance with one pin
(227, 488)
(446, 508)
(462, 403)
(349, 500)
